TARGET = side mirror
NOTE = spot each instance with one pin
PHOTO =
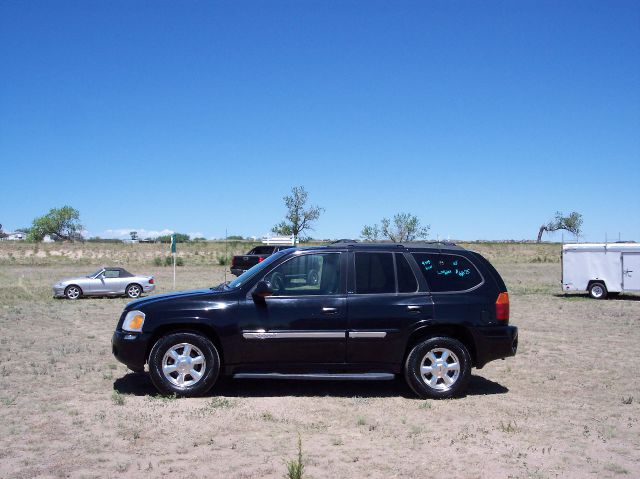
(263, 289)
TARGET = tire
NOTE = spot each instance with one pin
(277, 282)
(313, 277)
(438, 368)
(133, 291)
(598, 290)
(185, 364)
(73, 292)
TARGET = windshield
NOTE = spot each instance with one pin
(255, 270)
(93, 275)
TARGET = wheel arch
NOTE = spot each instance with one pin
(592, 281)
(458, 332)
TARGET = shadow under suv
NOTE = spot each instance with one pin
(429, 311)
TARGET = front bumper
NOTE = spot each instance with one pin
(495, 342)
(58, 292)
(131, 348)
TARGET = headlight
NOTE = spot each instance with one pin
(133, 321)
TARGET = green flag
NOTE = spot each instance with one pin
(173, 243)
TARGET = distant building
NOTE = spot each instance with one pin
(17, 236)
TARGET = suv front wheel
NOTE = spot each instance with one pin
(438, 368)
(186, 364)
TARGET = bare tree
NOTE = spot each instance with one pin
(571, 223)
(404, 227)
(298, 219)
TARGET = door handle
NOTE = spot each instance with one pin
(414, 309)
(330, 310)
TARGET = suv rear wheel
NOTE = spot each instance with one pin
(438, 368)
(186, 364)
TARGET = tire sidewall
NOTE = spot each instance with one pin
(70, 287)
(209, 351)
(414, 359)
(600, 285)
(131, 286)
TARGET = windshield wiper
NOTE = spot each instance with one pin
(221, 286)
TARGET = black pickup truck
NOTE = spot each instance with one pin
(239, 264)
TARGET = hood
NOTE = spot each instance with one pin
(73, 279)
(138, 303)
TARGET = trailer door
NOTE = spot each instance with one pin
(631, 271)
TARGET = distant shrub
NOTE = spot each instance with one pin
(168, 261)
(223, 260)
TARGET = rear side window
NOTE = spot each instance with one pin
(447, 272)
(406, 279)
(374, 273)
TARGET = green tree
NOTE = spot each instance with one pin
(180, 238)
(134, 235)
(59, 223)
(571, 223)
(298, 218)
(404, 227)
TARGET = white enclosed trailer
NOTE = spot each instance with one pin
(601, 268)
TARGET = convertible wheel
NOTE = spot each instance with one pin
(73, 292)
(438, 368)
(186, 364)
(133, 290)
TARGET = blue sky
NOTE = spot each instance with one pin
(482, 118)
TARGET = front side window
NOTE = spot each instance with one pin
(308, 274)
(447, 272)
(375, 273)
(112, 273)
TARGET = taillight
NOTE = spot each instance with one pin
(260, 259)
(151, 281)
(502, 307)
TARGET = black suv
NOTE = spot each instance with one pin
(345, 311)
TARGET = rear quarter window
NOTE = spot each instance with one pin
(447, 272)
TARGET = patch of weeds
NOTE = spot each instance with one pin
(267, 416)
(615, 468)
(221, 403)
(508, 427)
(117, 398)
(627, 400)
(337, 441)
(295, 467)
(415, 431)
(7, 401)
(113, 367)
(425, 405)
(361, 421)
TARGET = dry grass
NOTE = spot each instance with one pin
(560, 408)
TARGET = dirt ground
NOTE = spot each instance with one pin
(568, 405)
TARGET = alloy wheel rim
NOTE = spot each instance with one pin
(597, 291)
(73, 292)
(134, 291)
(183, 365)
(440, 369)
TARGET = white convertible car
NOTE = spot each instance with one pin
(104, 282)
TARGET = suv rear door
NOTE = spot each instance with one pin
(385, 303)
